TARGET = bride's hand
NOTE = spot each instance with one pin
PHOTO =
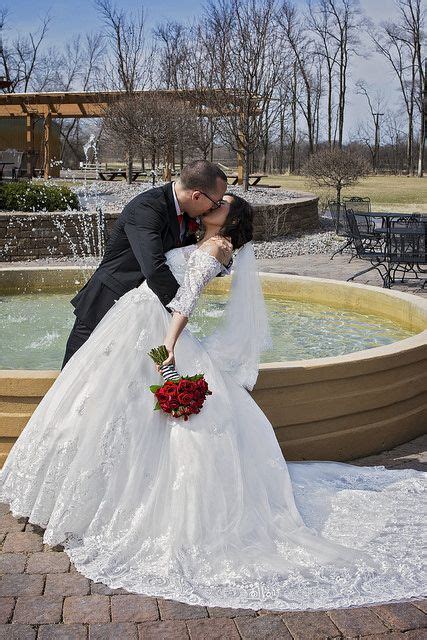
(170, 359)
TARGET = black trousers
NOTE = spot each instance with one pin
(79, 334)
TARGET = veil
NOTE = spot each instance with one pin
(243, 332)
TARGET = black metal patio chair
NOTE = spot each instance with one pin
(374, 254)
(408, 249)
(337, 211)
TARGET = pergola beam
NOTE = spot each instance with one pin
(93, 104)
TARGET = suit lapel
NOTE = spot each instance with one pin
(171, 211)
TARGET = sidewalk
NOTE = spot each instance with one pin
(319, 265)
(43, 597)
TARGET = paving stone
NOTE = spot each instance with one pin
(48, 562)
(212, 629)
(34, 528)
(38, 609)
(103, 590)
(263, 627)
(9, 523)
(416, 634)
(62, 632)
(172, 609)
(421, 604)
(86, 609)
(20, 584)
(133, 608)
(163, 630)
(12, 562)
(310, 625)
(6, 609)
(17, 632)
(357, 621)
(4, 508)
(229, 612)
(67, 584)
(113, 631)
(19, 541)
(401, 616)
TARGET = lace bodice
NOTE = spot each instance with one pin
(193, 267)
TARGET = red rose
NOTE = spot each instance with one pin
(184, 385)
(202, 385)
(185, 398)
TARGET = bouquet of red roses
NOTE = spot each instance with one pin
(181, 396)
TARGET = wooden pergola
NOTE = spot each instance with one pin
(82, 104)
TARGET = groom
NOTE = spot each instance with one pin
(151, 224)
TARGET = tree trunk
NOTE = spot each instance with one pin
(339, 207)
(246, 171)
(410, 145)
(129, 167)
(282, 140)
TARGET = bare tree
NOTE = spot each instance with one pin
(21, 59)
(412, 15)
(129, 55)
(320, 22)
(335, 168)
(174, 55)
(400, 43)
(130, 58)
(344, 24)
(241, 42)
(394, 138)
(152, 124)
(300, 42)
(376, 107)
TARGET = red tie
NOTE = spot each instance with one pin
(180, 222)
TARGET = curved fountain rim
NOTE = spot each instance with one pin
(400, 346)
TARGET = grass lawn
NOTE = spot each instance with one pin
(388, 193)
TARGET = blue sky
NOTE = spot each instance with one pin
(79, 16)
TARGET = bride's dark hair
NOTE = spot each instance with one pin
(239, 222)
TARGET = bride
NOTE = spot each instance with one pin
(205, 511)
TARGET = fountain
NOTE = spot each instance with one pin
(333, 407)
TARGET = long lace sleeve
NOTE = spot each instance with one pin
(201, 268)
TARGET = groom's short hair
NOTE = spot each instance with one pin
(201, 175)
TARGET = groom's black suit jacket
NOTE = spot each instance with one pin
(144, 231)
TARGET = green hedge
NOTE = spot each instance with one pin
(27, 196)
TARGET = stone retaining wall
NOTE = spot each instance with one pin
(27, 236)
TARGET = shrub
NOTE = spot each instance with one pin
(27, 196)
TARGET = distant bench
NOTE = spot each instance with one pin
(253, 180)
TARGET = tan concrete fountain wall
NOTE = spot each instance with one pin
(336, 408)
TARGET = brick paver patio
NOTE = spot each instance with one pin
(319, 265)
(43, 597)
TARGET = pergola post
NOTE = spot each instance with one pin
(47, 143)
(240, 166)
(29, 140)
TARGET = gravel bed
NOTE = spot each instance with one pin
(112, 196)
(322, 240)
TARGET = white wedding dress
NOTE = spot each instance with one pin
(206, 511)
